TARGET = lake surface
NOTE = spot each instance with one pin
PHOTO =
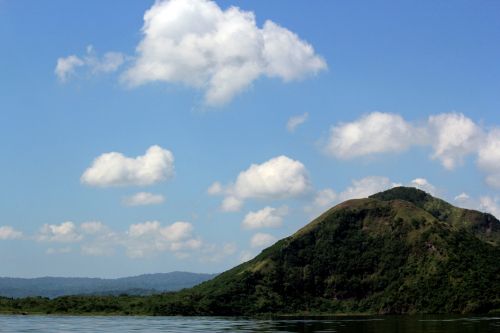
(410, 324)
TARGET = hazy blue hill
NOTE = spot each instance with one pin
(136, 285)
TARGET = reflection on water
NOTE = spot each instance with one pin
(410, 324)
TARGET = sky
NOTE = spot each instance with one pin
(188, 135)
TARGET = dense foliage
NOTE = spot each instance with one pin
(386, 254)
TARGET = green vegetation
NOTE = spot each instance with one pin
(400, 251)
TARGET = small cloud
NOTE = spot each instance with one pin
(260, 240)
(246, 256)
(144, 199)
(296, 121)
(462, 197)
(267, 217)
(8, 232)
(278, 178)
(424, 185)
(60, 250)
(109, 62)
(115, 169)
(65, 232)
(215, 189)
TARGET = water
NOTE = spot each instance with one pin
(410, 324)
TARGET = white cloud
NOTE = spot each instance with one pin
(196, 43)
(8, 232)
(462, 197)
(323, 198)
(296, 121)
(453, 136)
(215, 188)
(231, 204)
(92, 227)
(65, 232)
(489, 158)
(267, 217)
(59, 250)
(261, 240)
(363, 188)
(151, 237)
(424, 185)
(246, 256)
(110, 62)
(490, 205)
(278, 178)
(66, 67)
(374, 133)
(115, 169)
(144, 199)
(217, 253)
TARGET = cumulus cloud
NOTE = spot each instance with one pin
(198, 44)
(323, 199)
(453, 136)
(217, 253)
(8, 232)
(296, 121)
(246, 256)
(66, 232)
(115, 169)
(490, 205)
(424, 185)
(215, 188)
(363, 188)
(374, 133)
(151, 237)
(260, 240)
(144, 199)
(267, 217)
(278, 178)
(462, 197)
(66, 67)
(489, 158)
(92, 227)
(109, 62)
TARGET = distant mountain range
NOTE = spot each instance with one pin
(145, 284)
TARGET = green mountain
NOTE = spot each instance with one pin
(399, 251)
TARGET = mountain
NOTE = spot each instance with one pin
(398, 251)
(136, 285)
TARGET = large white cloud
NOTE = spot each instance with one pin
(196, 43)
(278, 178)
(267, 217)
(424, 185)
(115, 169)
(8, 232)
(489, 158)
(374, 133)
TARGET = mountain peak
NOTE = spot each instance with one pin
(411, 194)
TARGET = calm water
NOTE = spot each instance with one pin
(207, 324)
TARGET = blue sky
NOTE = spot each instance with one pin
(382, 93)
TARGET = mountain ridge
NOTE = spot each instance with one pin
(143, 284)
